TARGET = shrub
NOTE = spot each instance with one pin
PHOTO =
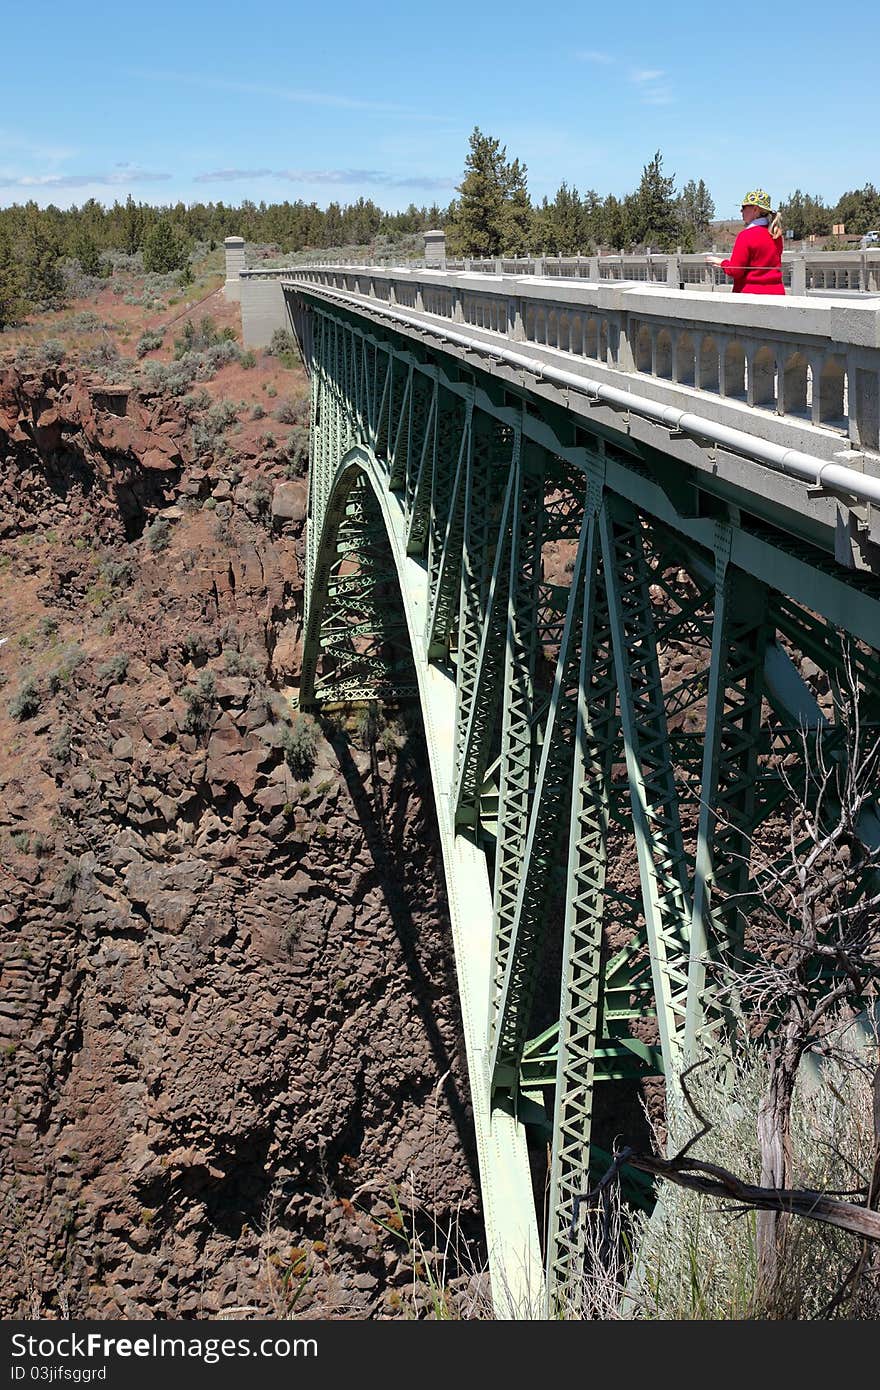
(258, 411)
(71, 657)
(195, 648)
(200, 703)
(158, 534)
(299, 743)
(26, 701)
(248, 359)
(237, 664)
(171, 377)
(390, 739)
(282, 340)
(63, 744)
(53, 352)
(116, 669)
(283, 346)
(195, 402)
(368, 724)
(199, 337)
(297, 451)
(116, 573)
(86, 321)
(149, 340)
(103, 355)
(260, 501)
(293, 411)
(207, 433)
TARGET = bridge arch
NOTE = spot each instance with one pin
(514, 1252)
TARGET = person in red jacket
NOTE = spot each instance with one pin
(754, 264)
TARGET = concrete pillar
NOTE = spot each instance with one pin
(626, 359)
(435, 250)
(234, 266)
(799, 274)
(594, 267)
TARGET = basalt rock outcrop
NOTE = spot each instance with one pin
(125, 453)
(228, 1024)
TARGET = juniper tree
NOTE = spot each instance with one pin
(165, 248)
(655, 207)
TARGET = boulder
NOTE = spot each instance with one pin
(289, 502)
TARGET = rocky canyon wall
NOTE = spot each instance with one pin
(228, 1024)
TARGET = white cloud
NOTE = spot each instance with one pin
(120, 176)
(594, 55)
(297, 95)
(654, 86)
(354, 178)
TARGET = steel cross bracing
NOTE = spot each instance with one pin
(611, 663)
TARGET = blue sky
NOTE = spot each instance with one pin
(226, 101)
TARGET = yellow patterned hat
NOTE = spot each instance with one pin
(758, 198)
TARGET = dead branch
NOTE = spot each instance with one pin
(715, 1181)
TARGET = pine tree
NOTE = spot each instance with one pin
(696, 210)
(518, 216)
(859, 209)
(478, 220)
(613, 223)
(566, 231)
(805, 214)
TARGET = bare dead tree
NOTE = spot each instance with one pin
(814, 934)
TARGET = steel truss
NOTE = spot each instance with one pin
(624, 672)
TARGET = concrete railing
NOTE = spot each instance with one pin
(801, 362)
(802, 272)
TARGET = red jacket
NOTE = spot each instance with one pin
(755, 247)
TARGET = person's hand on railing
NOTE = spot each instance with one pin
(714, 260)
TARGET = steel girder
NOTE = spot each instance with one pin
(626, 795)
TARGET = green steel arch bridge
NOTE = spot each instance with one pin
(613, 540)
